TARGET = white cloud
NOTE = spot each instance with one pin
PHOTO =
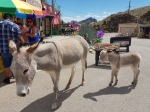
(88, 15)
(65, 17)
(104, 12)
(99, 17)
(104, 16)
(69, 19)
(78, 16)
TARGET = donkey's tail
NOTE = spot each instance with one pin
(86, 64)
(140, 58)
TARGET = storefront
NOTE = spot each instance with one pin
(46, 22)
(135, 29)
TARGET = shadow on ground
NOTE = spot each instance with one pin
(3, 84)
(2, 78)
(108, 91)
(44, 104)
(100, 66)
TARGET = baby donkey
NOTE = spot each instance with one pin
(117, 61)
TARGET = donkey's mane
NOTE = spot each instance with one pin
(27, 45)
(116, 52)
(22, 45)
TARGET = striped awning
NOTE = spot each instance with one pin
(13, 6)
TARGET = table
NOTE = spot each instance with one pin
(125, 42)
(98, 47)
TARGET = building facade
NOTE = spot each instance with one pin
(134, 29)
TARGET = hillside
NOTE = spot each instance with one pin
(139, 15)
(90, 19)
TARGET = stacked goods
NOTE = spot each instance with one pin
(101, 46)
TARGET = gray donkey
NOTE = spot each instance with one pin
(51, 57)
(117, 61)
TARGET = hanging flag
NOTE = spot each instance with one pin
(56, 19)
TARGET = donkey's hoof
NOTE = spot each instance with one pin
(110, 84)
(67, 87)
(82, 84)
(54, 106)
(133, 83)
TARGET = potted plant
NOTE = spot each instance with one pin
(100, 34)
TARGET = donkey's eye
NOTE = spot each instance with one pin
(25, 71)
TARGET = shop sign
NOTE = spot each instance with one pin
(122, 43)
(48, 9)
(36, 3)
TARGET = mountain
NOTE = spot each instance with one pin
(139, 15)
(90, 19)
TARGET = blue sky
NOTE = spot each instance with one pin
(99, 9)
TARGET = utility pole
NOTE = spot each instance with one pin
(52, 17)
(128, 11)
(59, 13)
(53, 5)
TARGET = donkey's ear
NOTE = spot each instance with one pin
(12, 46)
(32, 48)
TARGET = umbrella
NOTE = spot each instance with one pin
(33, 16)
(17, 6)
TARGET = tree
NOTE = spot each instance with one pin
(88, 32)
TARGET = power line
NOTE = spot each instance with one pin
(73, 10)
(69, 9)
(56, 3)
(59, 6)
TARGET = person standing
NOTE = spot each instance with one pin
(33, 35)
(23, 31)
(8, 29)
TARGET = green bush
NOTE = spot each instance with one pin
(88, 32)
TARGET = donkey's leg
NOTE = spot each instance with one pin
(112, 77)
(71, 77)
(56, 81)
(52, 74)
(84, 66)
(116, 79)
(137, 75)
(136, 72)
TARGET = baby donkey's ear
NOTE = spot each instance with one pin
(109, 50)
